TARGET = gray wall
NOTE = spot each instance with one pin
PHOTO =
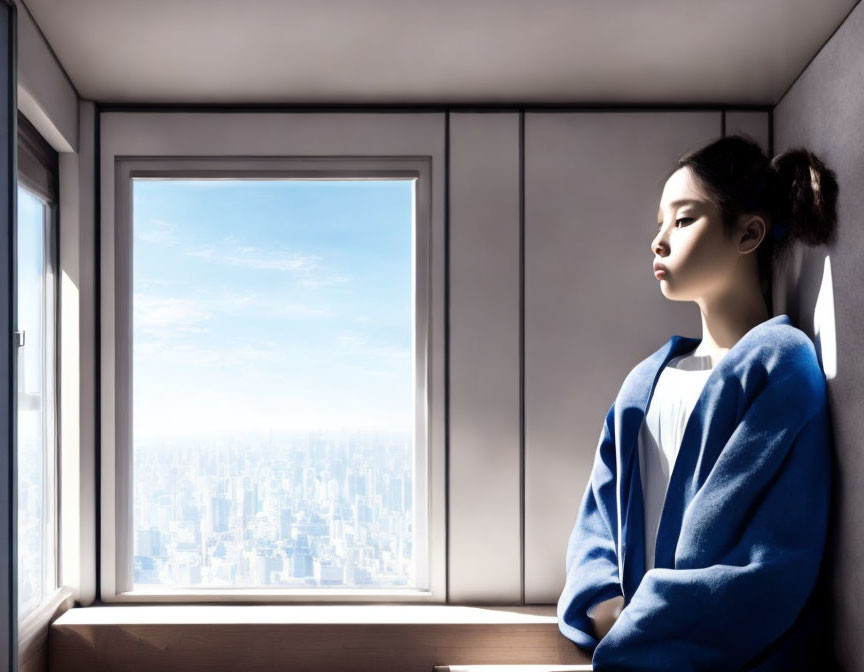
(824, 111)
(593, 308)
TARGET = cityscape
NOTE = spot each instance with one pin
(281, 511)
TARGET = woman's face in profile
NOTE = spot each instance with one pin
(690, 242)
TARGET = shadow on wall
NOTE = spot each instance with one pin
(804, 290)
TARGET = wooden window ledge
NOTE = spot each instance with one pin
(311, 638)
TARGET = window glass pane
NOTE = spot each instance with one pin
(34, 406)
(273, 382)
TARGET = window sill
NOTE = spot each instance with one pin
(312, 637)
(307, 614)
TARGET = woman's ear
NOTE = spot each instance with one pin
(752, 231)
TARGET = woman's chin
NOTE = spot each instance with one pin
(670, 292)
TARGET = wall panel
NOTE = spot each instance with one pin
(484, 456)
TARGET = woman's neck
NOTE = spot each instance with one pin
(724, 323)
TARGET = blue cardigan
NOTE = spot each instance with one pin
(743, 527)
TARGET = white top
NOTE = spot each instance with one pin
(678, 388)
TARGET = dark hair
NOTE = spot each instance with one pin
(795, 192)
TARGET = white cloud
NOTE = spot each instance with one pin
(151, 282)
(159, 320)
(355, 344)
(306, 269)
(233, 359)
(166, 317)
(265, 304)
(157, 231)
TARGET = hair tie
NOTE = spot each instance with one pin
(779, 231)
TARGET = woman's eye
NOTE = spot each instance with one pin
(680, 219)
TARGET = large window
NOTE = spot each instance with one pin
(273, 382)
(36, 369)
(272, 356)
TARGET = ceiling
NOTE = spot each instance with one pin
(438, 51)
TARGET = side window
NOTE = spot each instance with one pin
(36, 367)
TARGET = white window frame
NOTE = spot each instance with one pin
(274, 144)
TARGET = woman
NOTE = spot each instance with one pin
(699, 537)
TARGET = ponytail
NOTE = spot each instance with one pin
(803, 199)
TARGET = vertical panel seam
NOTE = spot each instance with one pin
(446, 356)
(97, 347)
(522, 355)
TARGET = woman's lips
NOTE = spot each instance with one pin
(660, 273)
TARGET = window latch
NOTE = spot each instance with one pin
(19, 338)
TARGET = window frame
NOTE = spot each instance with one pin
(115, 511)
(38, 171)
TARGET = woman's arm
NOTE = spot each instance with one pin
(591, 562)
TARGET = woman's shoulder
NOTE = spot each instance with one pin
(775, 350)
(785, 350)
(782, 360)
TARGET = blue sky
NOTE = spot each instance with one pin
(271, 305)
